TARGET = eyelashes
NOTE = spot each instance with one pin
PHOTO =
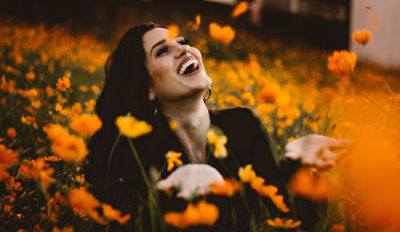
(166, 48)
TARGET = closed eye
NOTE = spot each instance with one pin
(162, 51)
(184, 41)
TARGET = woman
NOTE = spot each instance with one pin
(161, 79)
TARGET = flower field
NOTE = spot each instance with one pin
(51, 78)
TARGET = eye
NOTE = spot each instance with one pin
(162, 51)
(184, 41)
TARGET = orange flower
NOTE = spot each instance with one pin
(247, 174)
(114, 215)
(257, 183)
(7, 156)
(228, 188)
(83, 88)
(173, 125)
(37, 169)
(80, 199)
(342, 62)
(194, 26)
(304, 183)
(240, 8)
(131, 127)
(201, 213)
(63, 83)
(30, 76)
(222, 34)
(283, 223)
(362, 37)
(73, 149)
(337, 228)
(173, 158)
(11, 132)
(173, 31)
(68, 147)
(86, 124)
(75, 110)
(12, 185)
(95, 89)
(52, 158)
(65, 229)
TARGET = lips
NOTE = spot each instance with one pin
(188, 61)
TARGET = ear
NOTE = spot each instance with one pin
(152, 96)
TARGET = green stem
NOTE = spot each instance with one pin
(161, 171)
(209, 153)
(151, 202)
(110, 155)
(136, 156)
(225, 167)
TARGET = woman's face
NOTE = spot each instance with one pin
(176, 69)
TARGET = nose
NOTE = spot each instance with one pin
(181, 50)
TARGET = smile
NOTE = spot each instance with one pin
(188, 65)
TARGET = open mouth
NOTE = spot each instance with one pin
(188, 67)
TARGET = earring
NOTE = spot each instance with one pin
(151, 95)
(209, 94)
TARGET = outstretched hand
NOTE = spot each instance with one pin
(192, 180)
(315, 150)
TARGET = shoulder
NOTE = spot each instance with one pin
(235, 115)
(241, 121)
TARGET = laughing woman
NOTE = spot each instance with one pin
(159, 80)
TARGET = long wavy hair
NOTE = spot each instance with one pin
(126, 90)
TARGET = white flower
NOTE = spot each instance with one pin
(192, 180)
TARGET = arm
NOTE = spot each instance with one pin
(262, 158)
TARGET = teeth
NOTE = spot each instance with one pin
(187, 64)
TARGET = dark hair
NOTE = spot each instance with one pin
(125, 90)
(127, 80)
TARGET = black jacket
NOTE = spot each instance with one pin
(248, 143)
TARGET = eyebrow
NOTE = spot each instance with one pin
(157, 44)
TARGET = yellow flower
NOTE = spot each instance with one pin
(86, 124)
(362, 37)
(173, 125)
(63, 83)
(219, 143)
(222, 34)
(131, 127)
(240, 8)
(283, 223)
(173, 158)
(247, 174)
(220, 151)
(212, 137)
(342, 62)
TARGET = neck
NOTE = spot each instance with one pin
(194, 121)
(187, 113)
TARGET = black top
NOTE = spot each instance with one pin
(248, 143)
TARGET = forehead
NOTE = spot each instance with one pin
(150, 38)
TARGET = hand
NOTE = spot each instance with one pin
(192, 180)
(315, 150)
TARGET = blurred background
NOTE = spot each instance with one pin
(323, 24)
(328, 67)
